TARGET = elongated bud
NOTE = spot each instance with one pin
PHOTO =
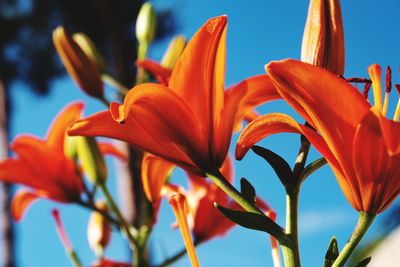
(91, 159)
(99, 230)
(146, 24)
(323, 38)
(62, 234)
(179, 206)
(91, 51)
(79, 66)
(173, 52)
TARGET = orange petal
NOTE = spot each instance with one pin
(155, 172)
(209, 222)
(273, 123)
(224, 128)
(56, 133)
(198, 76)
(159, 72)
(15, 171)
(110, 149)
(322, 98)
(259, 90)
(377, 169)
(391, 132)
(178, 204)
(154, 119)
(44, 169)
(103, 262)
(21, 202)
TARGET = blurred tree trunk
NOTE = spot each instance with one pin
(6, 230)
(134, 205)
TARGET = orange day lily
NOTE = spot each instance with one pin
(44, 166)
(358, 141)
(190, 122)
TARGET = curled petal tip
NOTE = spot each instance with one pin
(216, 23)
(74, 128)
(117, 112)
(240, 151)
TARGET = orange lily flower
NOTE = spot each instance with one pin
(43, 166)
(190, 122)
(360, 144)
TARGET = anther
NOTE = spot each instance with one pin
(388, 79)
(367, 87)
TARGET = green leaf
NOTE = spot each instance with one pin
(332, 253)
(312, 167)
(280, 166)
(247, 190)
(253, 221)
(363, 263)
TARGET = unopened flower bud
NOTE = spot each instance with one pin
(80, 67)
(323, 38)
(91, 159)
(90, 50)
(99, 230)
(146, 24)
(173, 52)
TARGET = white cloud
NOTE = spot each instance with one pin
(311, 222)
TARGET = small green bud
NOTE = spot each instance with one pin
(91, 159)
(174, 51)
(146, 24)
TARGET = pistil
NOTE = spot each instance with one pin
(375, 72)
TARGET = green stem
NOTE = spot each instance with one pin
(113, 206)
(92, 206)
(218, 179)
(364, 222)
(291, 255)
(74, 258)
(114, 83)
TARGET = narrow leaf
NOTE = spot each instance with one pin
(332, 253)
(280, 166)
(311, 168)
(363, 263)
(253, 221)
(247, 190)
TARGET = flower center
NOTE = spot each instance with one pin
(375, 72)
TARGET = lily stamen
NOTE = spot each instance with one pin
(365, 92)
(388, 85)
(375, 72)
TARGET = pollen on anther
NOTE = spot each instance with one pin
(388, 79)
(367, 88)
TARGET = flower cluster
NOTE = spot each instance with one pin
(180, 115)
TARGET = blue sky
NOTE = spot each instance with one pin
(258, 32)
